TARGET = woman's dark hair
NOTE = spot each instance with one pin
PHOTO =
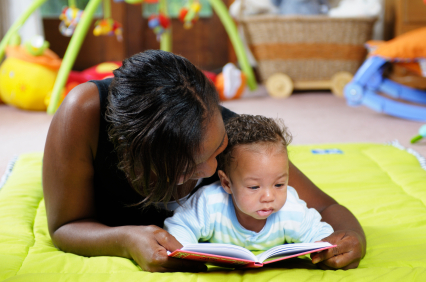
(250, 129)
(159, 105)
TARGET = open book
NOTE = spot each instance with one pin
(236, 256)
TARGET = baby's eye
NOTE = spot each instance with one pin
(279, 185)
(254, 187)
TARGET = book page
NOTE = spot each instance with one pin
(290, 249)
(226, 250)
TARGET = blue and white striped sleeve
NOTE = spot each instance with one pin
(190, 221)
(312, 229)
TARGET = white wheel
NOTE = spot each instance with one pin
(279, 85)
(339, 81)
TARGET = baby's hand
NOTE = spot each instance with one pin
(347, 254)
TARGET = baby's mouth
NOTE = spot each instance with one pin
(265, 212)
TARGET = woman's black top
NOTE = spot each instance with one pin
(114, 197)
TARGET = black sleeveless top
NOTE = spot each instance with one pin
(113, 194)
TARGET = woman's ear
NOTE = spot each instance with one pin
(224, 181)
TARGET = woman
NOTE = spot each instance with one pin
(117, 149)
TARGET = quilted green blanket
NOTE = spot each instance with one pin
(384, 186)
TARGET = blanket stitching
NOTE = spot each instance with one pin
(8, 171)
(419, 157)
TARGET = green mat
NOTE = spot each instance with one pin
(385, 187)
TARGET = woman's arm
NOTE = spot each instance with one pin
(348, 234)
(69, 193)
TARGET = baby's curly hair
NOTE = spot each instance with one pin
(250, 129)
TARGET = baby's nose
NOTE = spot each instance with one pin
(268, 195)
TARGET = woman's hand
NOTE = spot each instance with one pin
(148, 246)
(348, 236)
(347, 255)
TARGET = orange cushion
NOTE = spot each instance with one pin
(406, 47)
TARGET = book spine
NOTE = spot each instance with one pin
(252, 265)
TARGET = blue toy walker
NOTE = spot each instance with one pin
(369, 81)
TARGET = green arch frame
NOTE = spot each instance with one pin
(83, 26)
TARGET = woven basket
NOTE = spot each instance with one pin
(310, 48)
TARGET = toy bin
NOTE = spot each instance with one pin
(306, 52)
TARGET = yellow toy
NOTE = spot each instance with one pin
(28, 74)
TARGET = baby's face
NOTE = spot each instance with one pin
(258, 182)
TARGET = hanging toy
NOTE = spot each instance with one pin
(134, 2)
(159, 24)
(190, 14)
(69, 17)
(108, 26)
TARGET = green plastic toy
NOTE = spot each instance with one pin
(421, 135)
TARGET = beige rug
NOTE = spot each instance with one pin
(312, 117)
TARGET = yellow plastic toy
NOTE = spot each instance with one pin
(28, 74)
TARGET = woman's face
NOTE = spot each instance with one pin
(214, 142)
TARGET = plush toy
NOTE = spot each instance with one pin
(108, 27)
(27, 78)
(301, 7)
(357, 8)
(251, 7)
(189, 14)
(69, 17)
(230, 83)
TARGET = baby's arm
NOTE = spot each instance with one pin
(190, 221)
(312, 229)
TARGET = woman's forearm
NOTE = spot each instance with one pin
(339, 217)
(88, 238)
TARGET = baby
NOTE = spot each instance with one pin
(251, 206)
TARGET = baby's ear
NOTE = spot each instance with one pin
(224, 181)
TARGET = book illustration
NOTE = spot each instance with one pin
(236, 256)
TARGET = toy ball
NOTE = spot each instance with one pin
(153, 21)
(26, 81)
(230, 83)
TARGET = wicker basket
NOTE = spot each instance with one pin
(310, 48)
